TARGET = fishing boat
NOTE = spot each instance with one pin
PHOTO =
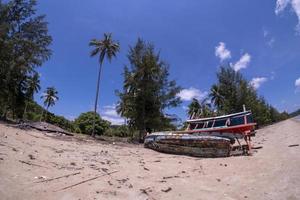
(207, 137)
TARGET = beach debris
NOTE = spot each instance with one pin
(146, 190)
(145, 168)
(293, 145)
(73, 163)
(31, 157)
(87, 180)
(104, 169)
(162, 181)
(218, 179)
(167, 190)
(168, 177)
(258, 147)
(40, 177)
(29, 163)
(109, 183)
(59, 177)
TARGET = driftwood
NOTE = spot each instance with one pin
(81, 182)
(293, 145)
(43, 126)
(167, 190)
(29, 163)
(65, 176)
(259, 147)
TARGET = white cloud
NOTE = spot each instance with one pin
(297, 83)
(281, 5)
(222, 52)
(113, 120)
(273, 75)
(265, 32)
(271, 42)
(189, 94)
(295, 4)
(109, 113)
(242, 63)
(185, 108)
(256, 82)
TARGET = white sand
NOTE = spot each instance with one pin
(273, 172)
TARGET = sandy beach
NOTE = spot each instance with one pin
(38, 166)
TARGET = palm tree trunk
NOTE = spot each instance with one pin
(42, 115)
(25, 109)
(96, 100)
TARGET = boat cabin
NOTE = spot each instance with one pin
(231, 120)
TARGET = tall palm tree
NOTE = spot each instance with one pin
(50, 97)
(106, 48)
(33, 87)
(216, 97)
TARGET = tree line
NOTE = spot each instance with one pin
(147, 91)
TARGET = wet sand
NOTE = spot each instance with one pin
(36, 166)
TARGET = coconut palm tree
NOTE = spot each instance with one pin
(33, 87)
(216, 97)
(105, 48)
(50, 97)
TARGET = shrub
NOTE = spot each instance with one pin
(85, 123)
(118, 131)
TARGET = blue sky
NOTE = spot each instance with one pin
(261, 39)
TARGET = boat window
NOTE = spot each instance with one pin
(249, 119)
(220, 122)
(210, 123)
(238, 120)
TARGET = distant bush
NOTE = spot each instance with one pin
(118, 131)
(85, 123)
(61, 122)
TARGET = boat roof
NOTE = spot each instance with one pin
(219, 117)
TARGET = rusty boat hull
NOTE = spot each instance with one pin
(186, 144)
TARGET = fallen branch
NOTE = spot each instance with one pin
(293, 145)
(65, 176)
(167, 190)
(29, 163)
(259, 147)
(86, 181)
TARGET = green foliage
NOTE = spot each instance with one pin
(50, 97)
(105, 47)
(85, 123)
(233, 91)
(61, 122)
(119, 131)
(24, 43)
(197, 109)
(295, 113)
(34, 113)
(147, 92)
